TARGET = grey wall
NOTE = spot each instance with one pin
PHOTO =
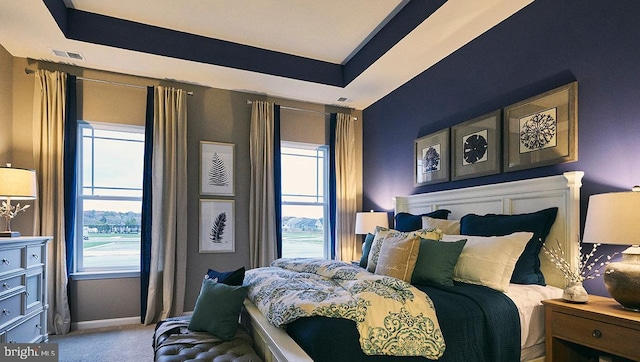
(213, 115)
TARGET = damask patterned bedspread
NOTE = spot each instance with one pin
(392, 317)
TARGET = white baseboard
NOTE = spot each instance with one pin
(115, 322)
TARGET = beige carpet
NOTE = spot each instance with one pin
(127, 343)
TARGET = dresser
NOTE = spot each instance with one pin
(597, 330)
(23, 289)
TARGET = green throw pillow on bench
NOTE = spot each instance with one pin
(217, 309)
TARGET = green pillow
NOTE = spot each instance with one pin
(436, 261)
(366, 248)
(217, 309)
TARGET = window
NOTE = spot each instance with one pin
(109, 200)
(304, 205)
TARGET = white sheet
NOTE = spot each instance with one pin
(527, 299)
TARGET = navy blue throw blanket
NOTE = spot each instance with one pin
(478, 323)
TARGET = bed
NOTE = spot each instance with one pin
(510, 198)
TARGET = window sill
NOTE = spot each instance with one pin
(112, 274)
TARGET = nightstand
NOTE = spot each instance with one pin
(584, 332)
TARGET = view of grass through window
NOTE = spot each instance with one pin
(111, 239)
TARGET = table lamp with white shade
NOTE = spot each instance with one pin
(614, 218)
(366, 222)
(15, 184)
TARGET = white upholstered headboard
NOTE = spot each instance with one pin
(515, 197)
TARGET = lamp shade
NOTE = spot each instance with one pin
(17, 183)
(366, 222)
(613, 218)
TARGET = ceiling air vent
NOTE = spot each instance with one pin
(343, 99)
(66, 54)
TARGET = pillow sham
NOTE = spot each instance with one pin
(366, 248)
(235, 277)
(382, 233)
(436, 262)
(451, 227)
(398, 257)
(527, 269)
(217, 309)
(488, 260)
(408, 222)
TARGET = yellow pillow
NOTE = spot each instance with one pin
(382, 233)
(398, 256)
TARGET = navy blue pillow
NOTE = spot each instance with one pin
(235, 277)
(527, 270)
(366, 248)
(409, 222)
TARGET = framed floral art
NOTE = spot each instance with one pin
(542, 130)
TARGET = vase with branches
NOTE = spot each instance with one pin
(587, 266)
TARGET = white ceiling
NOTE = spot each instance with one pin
(328, 30)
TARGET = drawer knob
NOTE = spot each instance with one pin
(6, 286)
(6, 261)
(6, 311)
(38, 326)
(596, 333)
(35, 256)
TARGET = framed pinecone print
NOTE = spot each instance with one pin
(216, 168)
(217, 226)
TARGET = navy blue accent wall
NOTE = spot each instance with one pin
(547, 44)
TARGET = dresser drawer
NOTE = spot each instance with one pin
(34, 293)
(34, 255)
(10, 309)
(10, 259)
(595, 334)
(11, 284)
(29, 331)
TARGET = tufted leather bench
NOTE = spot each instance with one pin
(174, 342)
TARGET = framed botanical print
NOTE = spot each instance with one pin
(431, 158)
(216, 168)
(542, 130)
(217, 226)
(476, 147)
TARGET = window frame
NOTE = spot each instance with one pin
(79, 271)
(324, 149)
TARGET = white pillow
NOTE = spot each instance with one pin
(489, 260)
(447, 226)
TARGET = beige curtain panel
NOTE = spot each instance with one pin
(346, 205)
(262, 217)
(167, 278)
(48, 126)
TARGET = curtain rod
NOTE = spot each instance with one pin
(303, 110)
(29, 71)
